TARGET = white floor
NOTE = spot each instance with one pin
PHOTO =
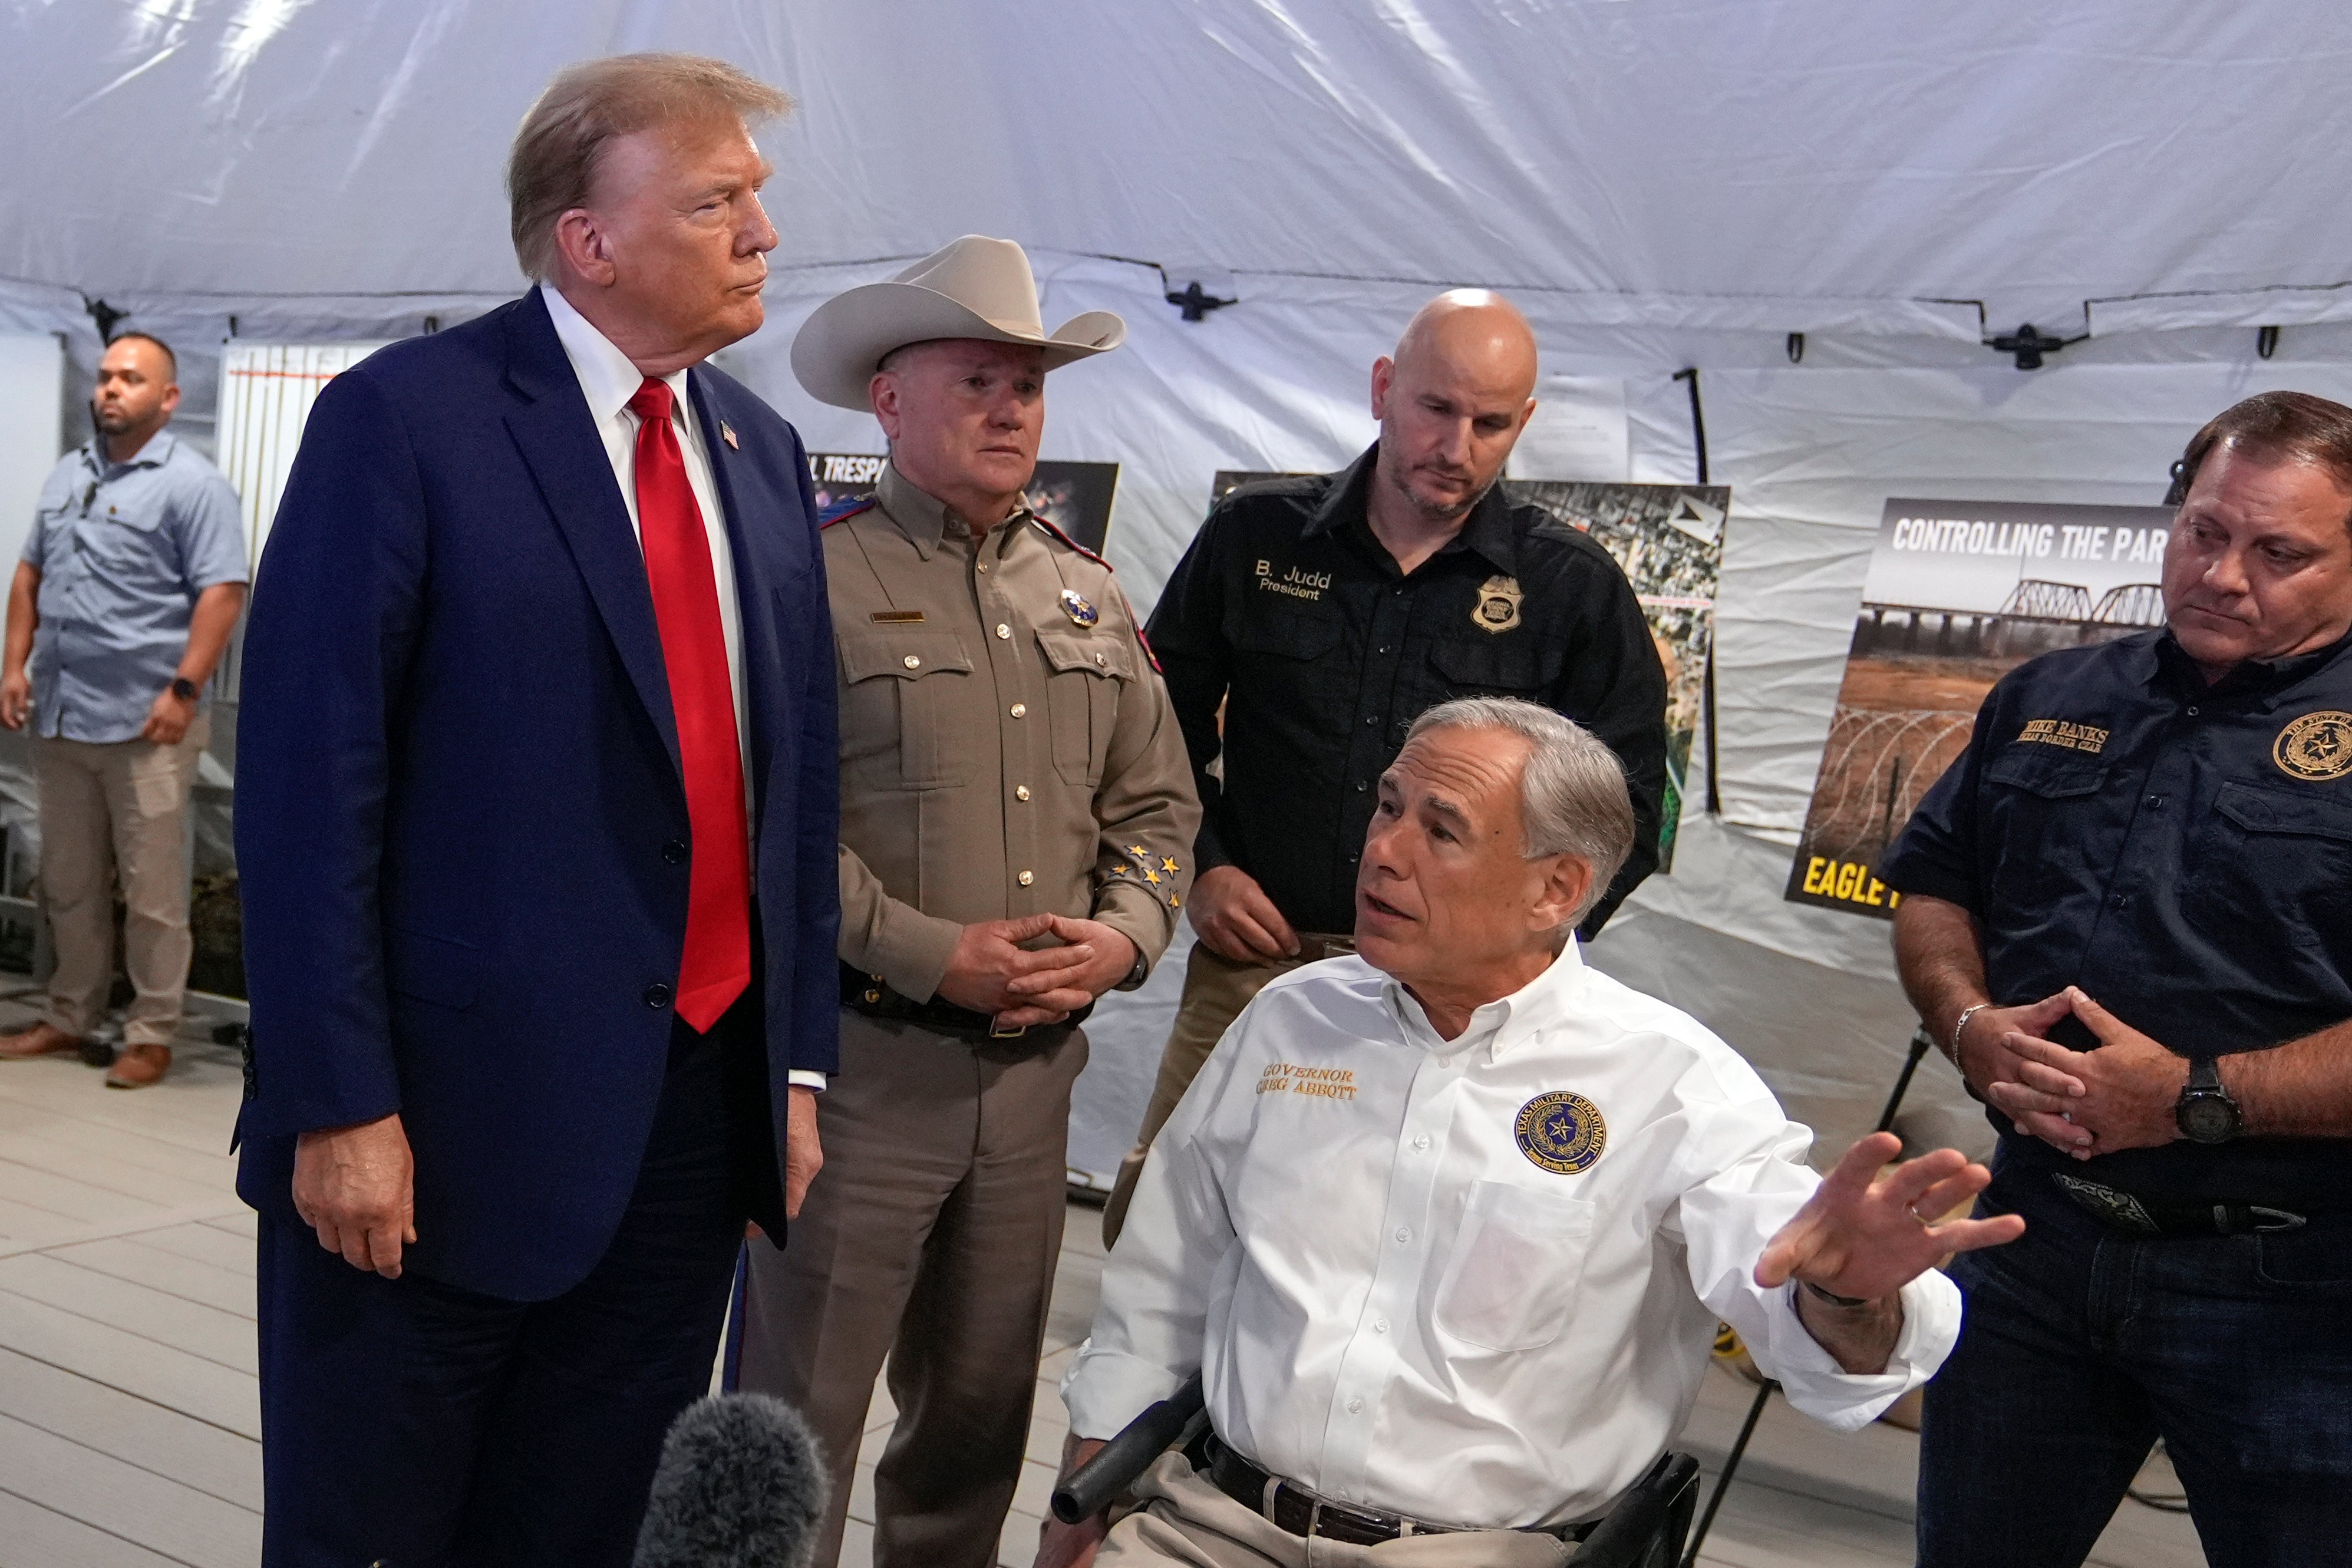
(129, 1416)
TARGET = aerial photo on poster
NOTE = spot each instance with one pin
(1959, 594)
(1668, 538)
(1075, 497)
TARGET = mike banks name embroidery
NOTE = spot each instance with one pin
(2060, 732)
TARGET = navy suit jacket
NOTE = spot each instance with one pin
(459, 809)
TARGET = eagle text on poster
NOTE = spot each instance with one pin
(1959, 594)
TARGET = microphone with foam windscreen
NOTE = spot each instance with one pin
(739, 1486)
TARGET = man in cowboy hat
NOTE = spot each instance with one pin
(1017, 817)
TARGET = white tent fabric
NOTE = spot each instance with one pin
(1661, 184)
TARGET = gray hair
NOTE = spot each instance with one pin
(1572, 793)
(552, 165)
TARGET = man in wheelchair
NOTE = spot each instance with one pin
(1446, 1227)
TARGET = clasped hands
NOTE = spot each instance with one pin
(991, 972)
(2119, 1096)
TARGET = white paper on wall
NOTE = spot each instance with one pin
(1579, 432)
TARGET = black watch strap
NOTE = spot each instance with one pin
(186, 690)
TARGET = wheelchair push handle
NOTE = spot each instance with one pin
(1112, 1470)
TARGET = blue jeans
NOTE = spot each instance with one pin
(2082, 1345)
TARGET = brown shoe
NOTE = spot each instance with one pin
(43, 1038)
(138, 1066)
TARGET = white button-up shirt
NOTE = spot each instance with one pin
(1398, 1305)
(608, 379)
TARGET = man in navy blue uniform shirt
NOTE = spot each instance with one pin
(2127, 914)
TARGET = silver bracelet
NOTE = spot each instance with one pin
(1961, 1027)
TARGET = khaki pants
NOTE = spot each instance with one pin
(118, 811)
(931, 1236)
(1185, 1519)
(1216, 990)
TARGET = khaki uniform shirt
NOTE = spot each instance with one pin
(1006, 747)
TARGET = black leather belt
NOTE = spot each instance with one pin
(1293, 1509)
(2136, 1215)
(866, 993)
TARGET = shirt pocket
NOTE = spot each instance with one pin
(1518, 1259)
(1085, 676)
(127, 538)
(2272, 861)
(901, 692)
(2040, 801)
(1502, 665)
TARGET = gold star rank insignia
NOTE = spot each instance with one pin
(1168, 865)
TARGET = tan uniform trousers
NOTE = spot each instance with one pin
(1185, 1519)
(113, 811)
(929, 1236)
(1216, 990)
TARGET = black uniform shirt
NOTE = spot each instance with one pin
(2183, 852)
(1289, 612)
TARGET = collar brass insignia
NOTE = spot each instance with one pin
(2316, 748)
(1497, 607)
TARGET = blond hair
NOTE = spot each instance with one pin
(553, 162)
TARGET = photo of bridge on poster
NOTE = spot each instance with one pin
(1959, 594)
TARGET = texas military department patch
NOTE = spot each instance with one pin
(2317, 747)
(1561, 1131)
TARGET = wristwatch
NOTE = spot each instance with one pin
(1139, 973)
(186, 690)
(2205, 1112)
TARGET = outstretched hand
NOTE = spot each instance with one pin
(1862, 1233)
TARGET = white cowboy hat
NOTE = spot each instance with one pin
(973, 287)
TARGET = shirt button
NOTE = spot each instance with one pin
(1101, 659)
(912, 662)
(1403, 1233)
(2155, 799)
(675, 852)
(657, 995)
(2193, 713)
(983, 566)
(1379, 1326)
(1420, 1142)
(1355, 1403)
(1445, 1061)
(1371, 718)
(1027, 877)
(1003, 629)
(1021, 791)
(1361, 786)
(1020, 710)
(1382, 649)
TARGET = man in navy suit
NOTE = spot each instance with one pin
(537, 822)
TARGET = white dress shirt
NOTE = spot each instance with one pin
(1398, 1307)
(608, 381)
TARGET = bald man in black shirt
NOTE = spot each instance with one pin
(1314, 619)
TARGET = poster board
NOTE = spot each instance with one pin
(1075, 497)
(1668, 540)
(1959, 594)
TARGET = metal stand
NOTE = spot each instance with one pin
(1921, 1044)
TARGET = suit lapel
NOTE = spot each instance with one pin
(740, 497)
(560, 444)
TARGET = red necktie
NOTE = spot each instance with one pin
(717, 964)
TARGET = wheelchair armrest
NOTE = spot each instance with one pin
(1113, 1469)
(1647, 1527)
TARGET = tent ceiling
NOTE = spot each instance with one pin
(1665, 149)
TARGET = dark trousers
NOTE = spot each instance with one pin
(2082, 1345)
(411, 1423)
(931, 1237)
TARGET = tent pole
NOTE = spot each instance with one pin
(1920, 1045)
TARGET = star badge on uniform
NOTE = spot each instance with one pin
(1076, 607)
(2316, 748)
(1497, 606)
(1562, 1132)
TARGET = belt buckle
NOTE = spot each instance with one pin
(2119, 1210)
(998, 1032)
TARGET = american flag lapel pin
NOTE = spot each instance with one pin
(727, 434)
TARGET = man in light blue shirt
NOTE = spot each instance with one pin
(131, 580)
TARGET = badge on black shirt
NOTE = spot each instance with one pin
(1497, 609)
(2317, 747)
